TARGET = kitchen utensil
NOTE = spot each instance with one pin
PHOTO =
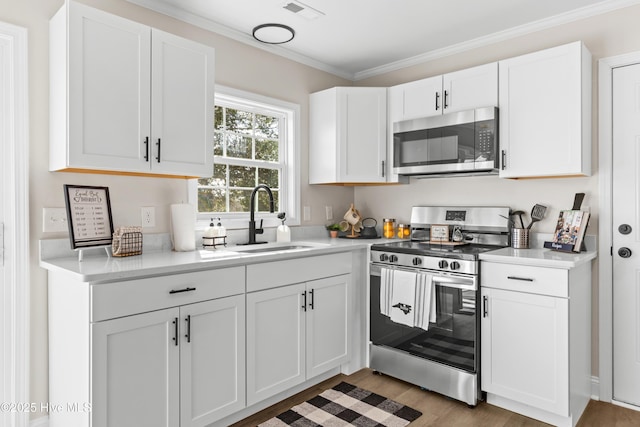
(519, 213)
(369, 228)
(520, 238)
(537, 213)
(577, 201)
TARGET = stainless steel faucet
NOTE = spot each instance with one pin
(252, 223)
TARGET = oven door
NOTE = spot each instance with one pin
(452, 339)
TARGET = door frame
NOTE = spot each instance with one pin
(605, 245)
(14, 146)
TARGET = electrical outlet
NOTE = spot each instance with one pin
(306, 213)
(148, 216)
(329, 212)
(54, 220)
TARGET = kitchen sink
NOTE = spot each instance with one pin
(280, 248)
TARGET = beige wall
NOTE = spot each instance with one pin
(607, 35)
(254, 70)
(237, 66)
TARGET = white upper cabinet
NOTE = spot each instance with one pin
(545, 113)
(461, 90)
(128, 98)
(348, 135)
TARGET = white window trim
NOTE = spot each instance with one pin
(290, 176)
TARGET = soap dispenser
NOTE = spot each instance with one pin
(220, 231)
(283, 234)
(210, 231)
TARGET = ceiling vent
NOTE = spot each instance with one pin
(303, 10)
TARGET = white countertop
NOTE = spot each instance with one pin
(100, 268)
(539, 257)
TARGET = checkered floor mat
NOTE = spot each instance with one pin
(346, 405)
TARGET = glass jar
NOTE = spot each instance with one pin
(388, 228)
(404, 231)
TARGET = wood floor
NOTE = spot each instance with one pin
(438, 410)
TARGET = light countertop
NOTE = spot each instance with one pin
(539, 257)
(100, 268)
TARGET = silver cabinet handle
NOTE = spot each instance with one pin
(524, 279)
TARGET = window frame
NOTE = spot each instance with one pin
(290, 177)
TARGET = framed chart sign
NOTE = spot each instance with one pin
(88, 215)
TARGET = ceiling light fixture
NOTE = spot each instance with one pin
(273, 33)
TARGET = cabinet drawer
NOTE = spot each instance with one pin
(280, 273)
(110, 300)
(522, 278)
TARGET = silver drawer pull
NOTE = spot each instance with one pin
(524, 279)
(177, 291)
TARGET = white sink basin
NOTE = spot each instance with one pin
(276, 247)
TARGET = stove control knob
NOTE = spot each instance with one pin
(384, 257)
(443, 264)
(393, 258)
(416, 261)
(455, 265)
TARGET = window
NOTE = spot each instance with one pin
(254, 144)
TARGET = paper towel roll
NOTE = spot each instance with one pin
(183, 223)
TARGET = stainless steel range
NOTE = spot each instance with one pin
(424, 298)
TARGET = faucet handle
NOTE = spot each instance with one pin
(260, 230)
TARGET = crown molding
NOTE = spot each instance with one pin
(542, 24)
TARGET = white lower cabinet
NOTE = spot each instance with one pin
(536, 340)
(294, 333)
(189, 361)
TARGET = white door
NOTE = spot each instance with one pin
(135, 371)
(182, 105)
(109, 90)
(212, 360)
(525, 348)
(327, 320)
(275, 341)
(626, 227)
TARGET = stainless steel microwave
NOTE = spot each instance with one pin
(453, 143)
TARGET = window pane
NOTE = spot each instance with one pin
(239, 121)
(242, 176)
(267, 150)
(239, 200)
(219, 118)
(217, 143)
(238, 146)
(263, 201)
(267, 127)
(269, 177)
(219, 178)
(211, 200)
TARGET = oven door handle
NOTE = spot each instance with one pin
(442, 279)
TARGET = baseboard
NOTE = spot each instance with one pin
(40, 422)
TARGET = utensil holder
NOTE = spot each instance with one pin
(520, 238)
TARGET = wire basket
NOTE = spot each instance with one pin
(127, 242)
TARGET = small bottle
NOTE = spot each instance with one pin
(211, 230)
(283, 233)
(219, 230)
(388, 228)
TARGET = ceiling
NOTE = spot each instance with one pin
(356, 39)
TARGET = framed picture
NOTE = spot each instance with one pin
(439, 233)
(88, 216)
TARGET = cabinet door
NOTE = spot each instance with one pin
(545, 110)
(471, 88)
(327, 320)
(275, 341)
(421, 98)
(362, 134)
(135, 371)
(182, 106)
(525, 348)
(109, 91)
(212, 360)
